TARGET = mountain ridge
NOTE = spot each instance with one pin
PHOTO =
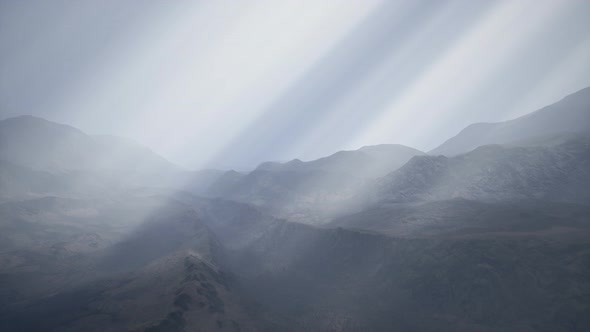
(495, 172)
(38, 143)
(549, 120)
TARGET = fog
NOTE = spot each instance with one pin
(231, 84)
(264, 165)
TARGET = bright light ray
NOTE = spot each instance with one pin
(212, 58)
(460, 72)
(190, 78)
(552, 88)
(372, 87)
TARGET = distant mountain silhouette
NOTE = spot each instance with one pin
(63, 159)
(39, 144)
(567, 116)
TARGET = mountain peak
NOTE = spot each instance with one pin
(40, 144)
(26, 117)
(34, 121)
(570, 115)
(387, 148)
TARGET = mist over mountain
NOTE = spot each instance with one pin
(368, 161)
(311, 191)
(39, 144)
(567, 116)
(497, 173)
(40, 157)
(101, 234)
(295, 166)
(149, 263)
(354, 281)
(462, 218)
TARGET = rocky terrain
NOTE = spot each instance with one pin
(494, 238)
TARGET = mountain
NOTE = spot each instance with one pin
(311, 191)
(134, 264)
(99, 234)
(180, 263)
(461, 218)
(347, 280)
(62, 160)
(567, 116)
(495, 173)
(19, 182)
(366, 162)
(180, 292)
(44, 145)
(126, 154)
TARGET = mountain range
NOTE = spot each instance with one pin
(487, 232)
(311, 191)
(534, 156)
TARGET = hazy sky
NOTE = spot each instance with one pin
(233, 83)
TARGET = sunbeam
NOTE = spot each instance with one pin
(295, 165)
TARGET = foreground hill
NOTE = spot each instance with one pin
(343, 280)
(180, 263)
(567, 116)
(150, 264)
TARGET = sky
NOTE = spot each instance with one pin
(230, 84)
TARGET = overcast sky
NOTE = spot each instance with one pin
(230, 84)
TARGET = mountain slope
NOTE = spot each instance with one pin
(311, 191)
(148, 264)
(44, 145)
(460, 218)
(68, 162)
(495, 173)
(366, 162)
(569, 115)
(343, 280)
(188, 263)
